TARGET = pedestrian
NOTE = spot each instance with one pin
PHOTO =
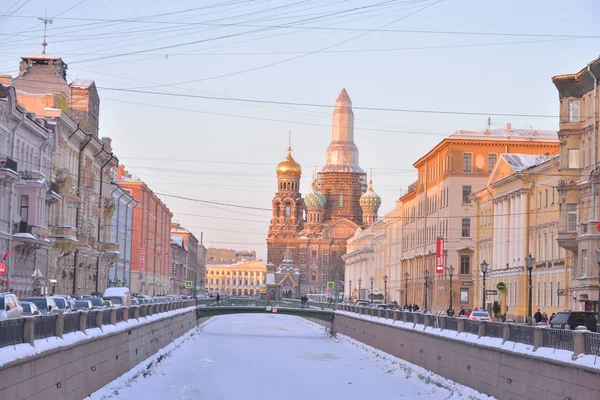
(218, 298)
(461, 313)
(552, 317)
(415, 308)
(405, 308)
(537, 316)
(544, 318)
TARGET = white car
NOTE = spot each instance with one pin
(480, 316)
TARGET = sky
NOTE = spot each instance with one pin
(184, 139)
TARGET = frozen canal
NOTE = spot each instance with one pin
(258, 356)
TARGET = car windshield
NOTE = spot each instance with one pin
(40, 302)
(115, 300)
(560, 318)
(480, 314)
(82, 304)
(97, 301)
(60, 302)
(26, 306)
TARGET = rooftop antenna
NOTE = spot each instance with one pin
(45, 21)
(289, 139)
(489, 123)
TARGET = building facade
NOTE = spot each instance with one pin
(314, 229)
(151, 238)
(517, 216)
(239, 279)
(578, 183)
(192, 269)
(179, 265)
(119, 274)
(440, 204)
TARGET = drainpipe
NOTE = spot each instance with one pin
(89, 136)
(112, 156)
(10, 203)
(117, 203)
(129, 230)
(594, 133)
(125, 247)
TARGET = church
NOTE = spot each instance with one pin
(307, 236)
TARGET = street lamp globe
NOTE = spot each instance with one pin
(529, 261)
(359, 281)
(451, 270)
(426, 274)
(372, 279)
(598, 255)
(484, 267)
(385, 278)
(406, 275)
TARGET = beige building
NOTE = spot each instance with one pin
(439, 204)
(578, 183)
(517, 215)
(240, 279)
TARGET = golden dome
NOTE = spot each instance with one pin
(289, 166)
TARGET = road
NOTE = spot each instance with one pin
(256, 356)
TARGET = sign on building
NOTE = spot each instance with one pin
(188, 284)
(439, 255)
(331, 285)
(142, 257)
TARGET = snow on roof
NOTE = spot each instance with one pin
(495, 134)
(116, 291)
(24, 235)
(82, 83)
(177, 240)
(270, 279)
(520, 162)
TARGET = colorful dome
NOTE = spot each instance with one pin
(370, 200)
(289, 166)
(315, 199)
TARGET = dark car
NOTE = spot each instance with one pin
(573, 319)
(97, 302)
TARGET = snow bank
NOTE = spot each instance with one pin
(19, 351)
(520, 348)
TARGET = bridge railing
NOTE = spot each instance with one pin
(28, 329)
(579, 342)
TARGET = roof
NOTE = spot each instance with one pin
(244, 265)
(504, 133)
(178, 240)
(82, 83)
(520, 162)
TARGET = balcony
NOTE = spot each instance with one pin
(32, 177)
(83, 240)
(8, 170)
(30, 234)
(567, 240)
(64, 239)
(110, 251)
(53, 194)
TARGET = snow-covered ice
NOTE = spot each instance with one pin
(255, 356)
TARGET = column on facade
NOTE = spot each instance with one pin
(500, 232)
(506, 218)
(516, 217)
(495, 235)
(523, 228)
(512, 244)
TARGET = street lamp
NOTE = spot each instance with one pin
(529, 261)
(426, 276)
(359, 283)
(385, 279)
(450, 273)
(371, 295)
(406, 275)
(598, 306)
(350, 283)
(484, 270)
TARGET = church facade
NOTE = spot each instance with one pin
(309, 233)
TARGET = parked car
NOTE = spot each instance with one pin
(135, 301)
(480, 316)
(83, 305)
(573, 319)
(383, 307)
(62, 303)
(10, 307)
(46, 304)
(69, 298)
(361, 303)
(120, 296)
(30, 309)
(108, 303)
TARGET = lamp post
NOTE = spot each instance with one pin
(350, 295)
(371, 294)
(426, 276)
(598, 306)
(529, 261)
(359, 283)
(385, 279)
(484, 270)
(450, 273)
(406, 275)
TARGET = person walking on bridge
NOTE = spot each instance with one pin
(218, 298)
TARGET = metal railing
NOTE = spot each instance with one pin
(419, 319)
(592, 343)
(521, 334)
(71, 323)
(451, 324)
(472, 327)
(11, 331)
(494, 329)
(90, 319)
(557, 339)
(45, 326)
(106, 316)
(119, 314)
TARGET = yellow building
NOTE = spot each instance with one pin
(240, 279)
(517, 215)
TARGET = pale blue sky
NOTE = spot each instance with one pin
(175, 151)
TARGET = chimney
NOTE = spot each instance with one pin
(509, 127)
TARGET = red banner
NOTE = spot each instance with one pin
(439, 255)
(142, 254)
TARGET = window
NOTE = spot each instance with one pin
(546, 199)
(552, 196)
(313, 254)
(465, 265)
(466, 195)
(341, 200)
(573, 159)
(464, 296)
(24, 208)
(571, 217)
(313, 276)
(466, 227)
(584, 262)
(539, 202)
(288, 211)
(537, 294)
(574, 105)
(467, 162)
(491, 162)
(551, 294)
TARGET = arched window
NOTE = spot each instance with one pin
(239, 292)
(245, 292)
(288, 211)
(341, 200)
(251, 292)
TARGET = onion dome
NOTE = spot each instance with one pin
(289, 166)
(315, 199)
(370, 200)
